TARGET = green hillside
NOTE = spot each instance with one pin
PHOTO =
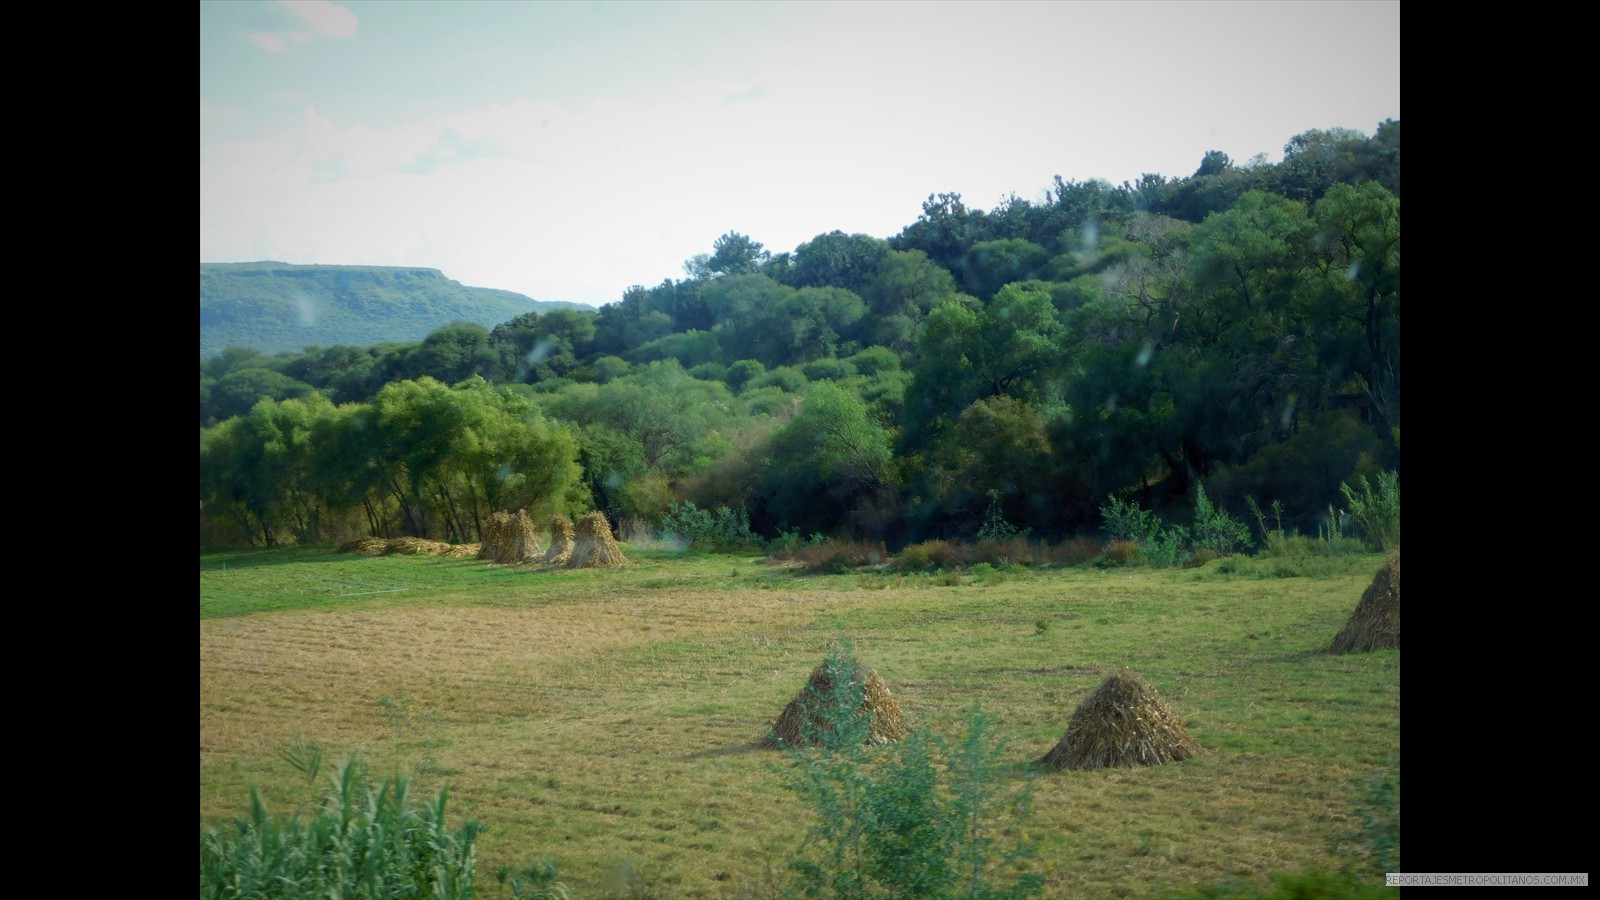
(273, 306)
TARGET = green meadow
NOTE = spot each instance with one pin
(609, 720)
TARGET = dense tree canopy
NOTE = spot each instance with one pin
(1239, 325)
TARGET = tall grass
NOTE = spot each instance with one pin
(364, 842)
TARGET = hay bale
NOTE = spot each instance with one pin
(1123, 723)
(508, 539)
(1375, 625)
(560, 542)
(803, 722)
(594, 547)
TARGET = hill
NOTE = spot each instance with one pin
(273, 306)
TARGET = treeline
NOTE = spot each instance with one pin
(1239, 327)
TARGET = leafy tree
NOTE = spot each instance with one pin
(831, 464)
(836, 259)
(732, 254)
(237, 391)
(992, 265)
(535, 347)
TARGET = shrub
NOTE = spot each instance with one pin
(1076, 551)
(1167, 547)
(1118, 553)
(929, 556)
(1005, 551)
(995, 527)
(1128, 521)
(836, 557)
(925, 823)
(723, 528)
(1214, 529)
(364, 842)
(1376, 509)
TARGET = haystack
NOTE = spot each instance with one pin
(1123, 723)
(803, 722)
(508, 539)
(594, 547)
(1375, 625)
(560, 542)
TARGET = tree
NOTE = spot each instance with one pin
(837, 260)
(732, 254)
(831, 465)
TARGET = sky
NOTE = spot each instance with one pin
(568, 151)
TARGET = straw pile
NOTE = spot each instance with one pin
(594, 547)
(410, 546)
(803, 721)
(508, 539)
(560, 542)
(1123, 723)
(1375, 625)
(368, 545)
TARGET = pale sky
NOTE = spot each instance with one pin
(569, 150)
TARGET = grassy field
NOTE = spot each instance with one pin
(608, 719)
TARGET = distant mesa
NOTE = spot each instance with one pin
(274, 307)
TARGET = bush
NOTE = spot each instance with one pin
(364, 842)
(1167, 547)
(1007, 551)
(930, 556)
(1118, 553)
(1128, 521)
(925, 823)
(1215, 530)
(835, 557)
(1076, 551)
(723, 528)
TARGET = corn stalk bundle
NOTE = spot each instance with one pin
(806, 718)
(560, 542)
(594, 547)
(508, 539)
(1375, 625)
(1123, 723)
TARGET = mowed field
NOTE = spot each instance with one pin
(609, 719)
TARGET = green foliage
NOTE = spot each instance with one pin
(1215, 530)
(935, 820)
(995, 527)
(535, 882)
(1166, 548)
(365, 842)
(1376, 508)
(1312, 884)
(723, 528)
(1378, 815)
(930, 556)
(1128, 521)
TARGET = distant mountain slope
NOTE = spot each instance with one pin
(273, 306)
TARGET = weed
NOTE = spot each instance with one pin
(928, 822)
(1376, 509)
(363, 841)
(1214, 529)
